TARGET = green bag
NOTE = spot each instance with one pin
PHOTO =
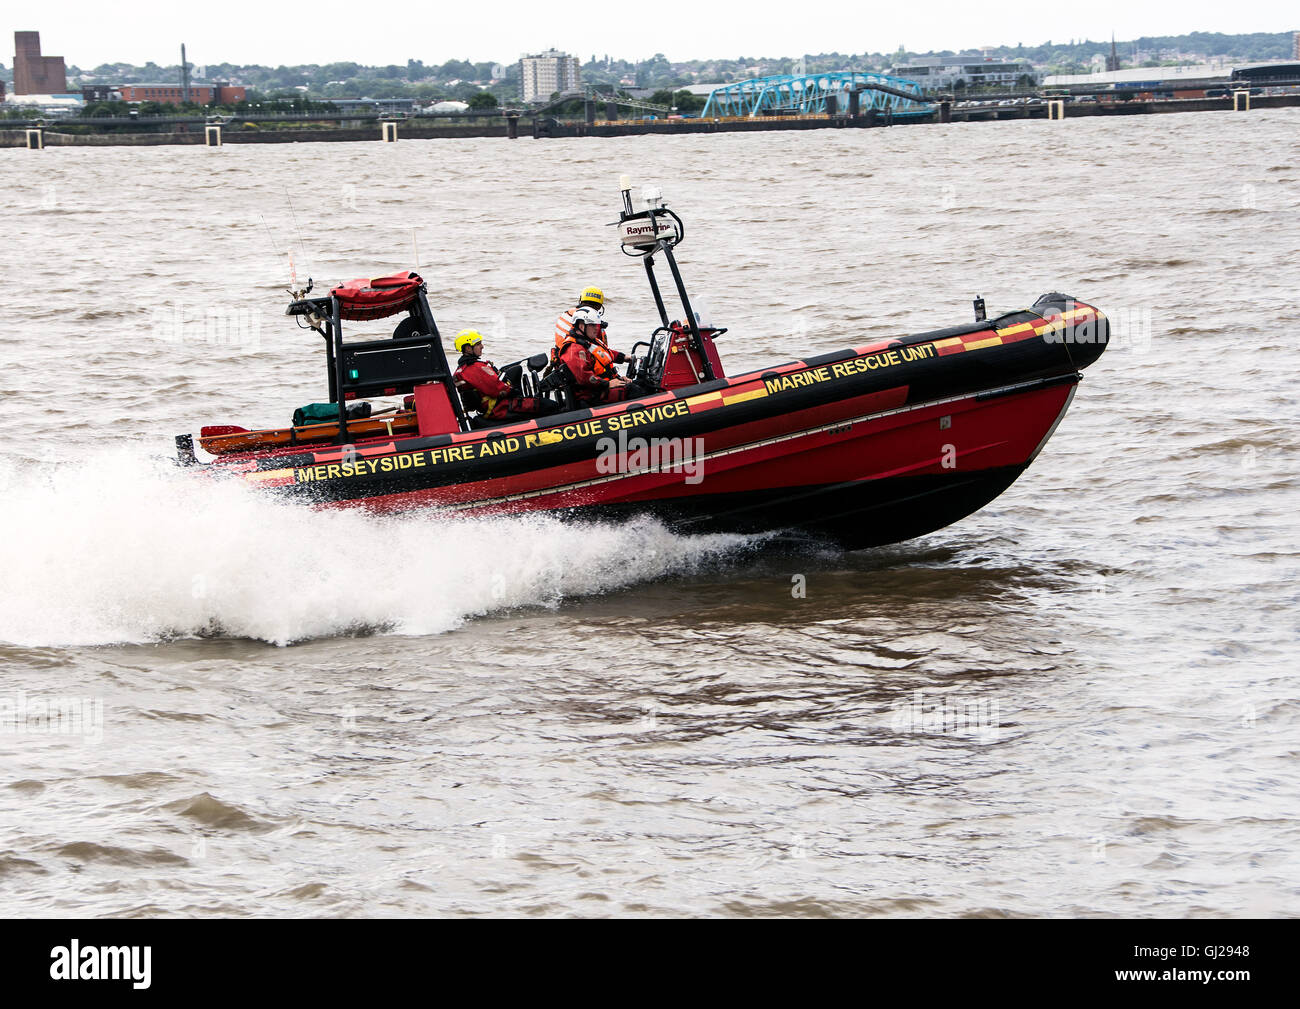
(324, 413)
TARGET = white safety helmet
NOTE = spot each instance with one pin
(585, 314)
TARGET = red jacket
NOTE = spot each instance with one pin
(604, 358)
(583, 366)
(481, 388)
(586, 370)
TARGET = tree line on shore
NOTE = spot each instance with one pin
(486, 84)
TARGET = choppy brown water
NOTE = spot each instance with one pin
(1080, 701)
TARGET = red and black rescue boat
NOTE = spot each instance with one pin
(864, 446)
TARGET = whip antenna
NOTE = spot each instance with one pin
(270, 237)
(293, 214)
(275, 253)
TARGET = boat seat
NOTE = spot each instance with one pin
(561, 380)
(409, 326)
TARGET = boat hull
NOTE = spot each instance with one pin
(854, 515)
(863, 447)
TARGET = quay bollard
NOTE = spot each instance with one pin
(388, 131)
(1056, 108)
(35, 138)
(1241, 100)
(212, 135)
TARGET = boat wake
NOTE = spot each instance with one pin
(121, 549)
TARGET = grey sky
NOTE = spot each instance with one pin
(89, 32)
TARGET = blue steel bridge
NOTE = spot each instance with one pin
(805, 94)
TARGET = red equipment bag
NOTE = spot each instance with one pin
(377, 297)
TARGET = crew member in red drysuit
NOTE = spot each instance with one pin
(591, 362)
(482, 390)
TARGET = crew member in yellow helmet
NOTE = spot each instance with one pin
(483, 391)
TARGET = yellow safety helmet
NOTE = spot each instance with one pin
(467, 338)
(592, 296)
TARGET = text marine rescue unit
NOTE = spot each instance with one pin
(863, 446)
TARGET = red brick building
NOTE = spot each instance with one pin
(204, 94)
(35, 74)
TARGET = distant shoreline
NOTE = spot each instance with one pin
(411, 129)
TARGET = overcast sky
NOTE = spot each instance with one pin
(90, 32)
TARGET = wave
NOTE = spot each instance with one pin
(122, 549)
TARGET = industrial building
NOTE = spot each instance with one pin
(174, 94)
(35, 74)
(944, 73)
(1133, 75)
(1191, 81)
(46, 105)
(100, 93)
(543, 74)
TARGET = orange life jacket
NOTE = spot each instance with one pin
(602, 356)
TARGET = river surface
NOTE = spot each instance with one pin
(1079, 701)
